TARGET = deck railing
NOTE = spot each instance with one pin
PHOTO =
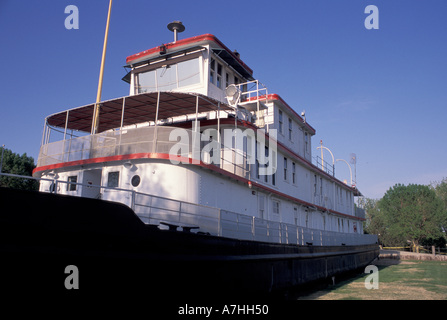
(162, 212)
(151, 139)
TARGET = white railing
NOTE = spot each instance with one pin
(162, 212)
(252, 90)
(149, 139)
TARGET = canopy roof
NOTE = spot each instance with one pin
(135, 109)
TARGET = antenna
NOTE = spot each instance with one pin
(353, 160)
(176, 27)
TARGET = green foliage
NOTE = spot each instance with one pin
(412, 213)
(441, 192)
(14, 163)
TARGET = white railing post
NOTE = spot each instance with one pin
(253, 228)
(179, 211)
(219, 224)
(132, 203)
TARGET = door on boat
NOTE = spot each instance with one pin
(91, 178)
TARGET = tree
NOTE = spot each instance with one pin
(411, 213)
(440, 189)
(376, 224)
(13, 163)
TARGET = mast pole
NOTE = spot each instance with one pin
(95, 124)
(322, 163)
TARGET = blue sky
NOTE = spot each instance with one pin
(381, 94)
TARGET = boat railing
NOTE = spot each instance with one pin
(324, 165)
(252, 90)
(181, 145)
(161, 211)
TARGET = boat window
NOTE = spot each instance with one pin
(321, 186)
(212, 70)
(147, 81)
(219, 76)
(136, 181)
(188, 72)
(71, 185)
(274, 167)
(290, 129)
(113, 179)
(306, 141)
(293, 173)
(275, 206)
(169, 77)
(280, 121)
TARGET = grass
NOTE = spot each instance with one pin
(398, 280)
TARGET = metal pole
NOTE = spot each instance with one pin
(333, 161)
(101, 74)
(350, 171)
(322, 165)
(195, 154)
(44, 132)
(121, 124)
(66, 124)
(219, 141)
(156, 120)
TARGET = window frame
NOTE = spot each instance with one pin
(276, 206)
(109, 181)
(280, 121)
(71, 185)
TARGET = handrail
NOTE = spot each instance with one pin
(153, 209)
(135, 140)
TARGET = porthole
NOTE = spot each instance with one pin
(135, 180)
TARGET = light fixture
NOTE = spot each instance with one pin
(233, 94)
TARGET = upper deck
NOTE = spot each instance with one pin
(181, 80)
(193, 79)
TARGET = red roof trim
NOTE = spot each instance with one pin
(165, 156)
(187, 41)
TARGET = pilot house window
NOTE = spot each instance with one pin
(212, 70)
(219, 76)
(169, 76)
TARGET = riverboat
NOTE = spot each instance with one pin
(199, 178)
